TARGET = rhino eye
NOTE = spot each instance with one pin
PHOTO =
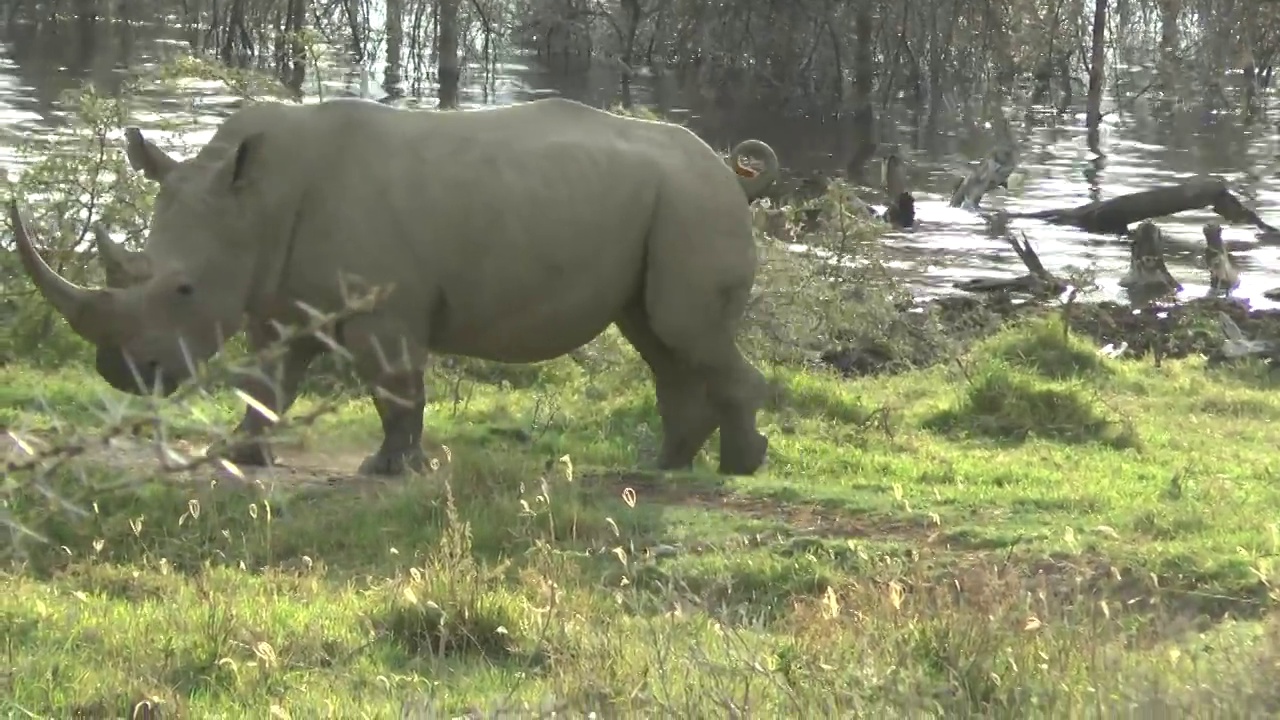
(185, 289)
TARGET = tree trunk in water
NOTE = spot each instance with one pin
(234, 22)
(448, 70)
(395, 40)
(1042, 74)
(356, 25)
(1248, 67)
(1170, 10)
(295, 24)
(633, 13)
(1097, 73)
(864, 114)
(87, 10)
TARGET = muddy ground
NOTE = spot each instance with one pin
(940, 329)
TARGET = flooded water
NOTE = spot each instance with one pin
(1145, 146)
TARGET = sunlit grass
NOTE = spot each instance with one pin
(1031, 532)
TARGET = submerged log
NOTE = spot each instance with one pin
(1114, 216)
(1039, 282)
(991, 173)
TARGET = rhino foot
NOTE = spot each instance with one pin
(251, 454)
(394, 463)
(742, 455)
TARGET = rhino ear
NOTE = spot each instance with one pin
(144, 155)
(237, 169)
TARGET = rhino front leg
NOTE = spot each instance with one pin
(255, 451)
(401, 402)
(687, 416)
(392, 362)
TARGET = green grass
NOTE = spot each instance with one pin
(1031, 532)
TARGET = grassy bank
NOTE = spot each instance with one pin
(1033, 531)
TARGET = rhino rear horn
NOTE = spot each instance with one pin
(123, 267)
(146, 156)
(86, 310)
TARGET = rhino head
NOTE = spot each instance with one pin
(168, 308)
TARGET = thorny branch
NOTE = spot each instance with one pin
(55, 454)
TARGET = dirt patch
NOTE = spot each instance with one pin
(937, 331)
(803, 518)
(132, 456)
(813, 520)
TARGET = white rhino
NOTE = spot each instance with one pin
(514, 235)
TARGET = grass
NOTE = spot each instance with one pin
(1032, 532)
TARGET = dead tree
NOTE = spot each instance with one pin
(1223, 276)
(991, 173)
(901, 210)
(1148, 277)
(1038, 282)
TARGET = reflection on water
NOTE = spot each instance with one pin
(1146, 145)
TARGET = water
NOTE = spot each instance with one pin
(1145, 146)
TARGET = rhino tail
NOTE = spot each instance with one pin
(755, 183)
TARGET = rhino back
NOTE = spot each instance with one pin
(492, 223)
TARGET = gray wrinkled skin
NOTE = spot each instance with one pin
(513, 235)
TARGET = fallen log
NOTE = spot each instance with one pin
(991, 173)
(1038, 282)
(1113, 216)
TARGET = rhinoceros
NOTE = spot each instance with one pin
(513, 235)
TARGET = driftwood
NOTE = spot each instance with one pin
(1223, 276)
(1114, 216)
(1038, 282)
(991, 173)
(1238, 345)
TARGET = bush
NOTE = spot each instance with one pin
(1005, 405)
(1043, 346)
(834, 291)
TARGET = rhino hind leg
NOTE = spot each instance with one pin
(401, 411)
(702, 347)
(254, 451)
(700, 332)
(737, 391)
(688, 418)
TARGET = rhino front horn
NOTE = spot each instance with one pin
(84, 309)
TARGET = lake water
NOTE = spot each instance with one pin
(1146, 145)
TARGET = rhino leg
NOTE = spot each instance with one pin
(737, 391)
(255, 451)
(697, 319)
(687, 416)
(401, 416)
